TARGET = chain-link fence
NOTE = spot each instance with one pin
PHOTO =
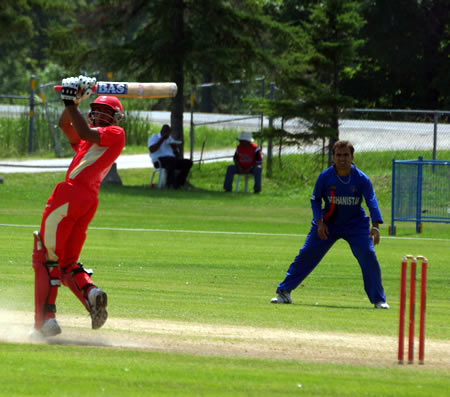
(387, 130)
(403, 133)
(229, 106)
(226, 108)
(223, 106)
(29, 123)
(400, 134)
(420, 192)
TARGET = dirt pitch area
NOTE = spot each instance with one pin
(224, 340)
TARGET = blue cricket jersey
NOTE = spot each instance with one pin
(342, 197)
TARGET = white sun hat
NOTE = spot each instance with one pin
(245, 136)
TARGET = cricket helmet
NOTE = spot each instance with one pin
(113, 103)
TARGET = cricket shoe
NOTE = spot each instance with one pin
(282, 297)
(381, 305)
(48, 329)
(97, 301)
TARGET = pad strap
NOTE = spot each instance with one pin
(49, 308)
(82, 283)
(55, 282)
(75, 268)
(86, 287)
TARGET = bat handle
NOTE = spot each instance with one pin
(57, 88)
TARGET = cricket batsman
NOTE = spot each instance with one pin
(341, 188)
(72, 205)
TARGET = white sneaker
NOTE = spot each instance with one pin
(48, 329)
(97, 301)
(282, 297)
(381, 305)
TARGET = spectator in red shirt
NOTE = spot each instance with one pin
(247, 160)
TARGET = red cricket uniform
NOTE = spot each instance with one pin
(66, 218)
(73, 202)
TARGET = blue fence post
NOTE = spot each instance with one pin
(392, 231)
(419, 195)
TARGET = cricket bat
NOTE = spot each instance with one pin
(133, 90)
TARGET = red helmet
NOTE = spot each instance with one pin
(113, 103)
(110, 101)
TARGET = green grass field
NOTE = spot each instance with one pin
(190, 274)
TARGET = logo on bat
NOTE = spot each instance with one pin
(112, 88)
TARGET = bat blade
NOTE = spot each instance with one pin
(133, 90)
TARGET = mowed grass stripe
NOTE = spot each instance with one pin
(124, 229)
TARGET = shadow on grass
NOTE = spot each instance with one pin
(340, 307)
(188, 193)
(155, 192)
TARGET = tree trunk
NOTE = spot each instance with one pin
(334, 114)
(177, 108)
(335, 137)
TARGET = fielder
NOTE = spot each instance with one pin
(73, 204)
(341, 188)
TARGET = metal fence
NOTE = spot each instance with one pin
(420, 192)
(41, 109)
(398, 129)
(368, 129)
(222, 106)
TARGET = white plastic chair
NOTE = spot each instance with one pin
(246, 176)
(162, 179)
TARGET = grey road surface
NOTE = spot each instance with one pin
(364, 134)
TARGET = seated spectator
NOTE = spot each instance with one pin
(165, 154)
(247, 160)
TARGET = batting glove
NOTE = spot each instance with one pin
(85, 86)
(69, 89)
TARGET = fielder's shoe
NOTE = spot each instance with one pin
(381, 305)
(48, 329)
(97, 301)
(282, 297)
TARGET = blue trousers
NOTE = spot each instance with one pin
(315, 249)
(232, 170)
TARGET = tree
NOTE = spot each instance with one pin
(403, 61)
(180, 40)
(24, 40)
(16, 29)
(334, 26)
(322, 52)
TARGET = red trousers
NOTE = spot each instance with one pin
(67, 215)
(66, 218)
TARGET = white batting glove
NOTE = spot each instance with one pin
(69, 89)
(85, 86)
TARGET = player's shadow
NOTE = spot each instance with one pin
(77, 342)
(340, 307)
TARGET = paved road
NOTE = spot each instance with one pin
(366, 135)
(125, 161)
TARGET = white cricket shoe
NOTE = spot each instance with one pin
(282, 297)
(48, 329)
(97, 301)
(381, 305)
